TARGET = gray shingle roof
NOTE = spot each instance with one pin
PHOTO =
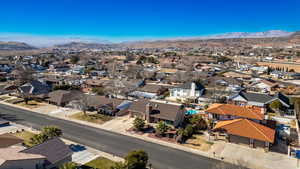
(7, 140)
(256, 97)
(159, 110)
(188, 85)
(35, 87)
(54, 150)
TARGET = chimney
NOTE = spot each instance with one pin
(193, 88)
(148, 112)
(263, 110)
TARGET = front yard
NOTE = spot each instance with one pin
(14, 101)
(2, 98)
(100, 163)
(93, 118)
(25, 135)
(31, 104)
(198, 142)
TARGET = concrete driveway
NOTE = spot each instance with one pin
(253, 158)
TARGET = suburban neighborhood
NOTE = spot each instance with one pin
(224, 101)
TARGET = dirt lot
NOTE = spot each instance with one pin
(93, 118)
(198, 142)
(31, 104)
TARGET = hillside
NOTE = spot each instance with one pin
(82, 45)
(11, 46)
(295, 38)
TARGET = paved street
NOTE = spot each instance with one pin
(160, 156)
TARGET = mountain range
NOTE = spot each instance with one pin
(161, 43)
(15, 46)
(267, 34)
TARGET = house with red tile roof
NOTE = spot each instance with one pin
(244, 131)
(229, 112)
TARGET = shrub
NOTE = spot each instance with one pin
(161, 128)
(69, 165)
(47, 133)
(198, 122)
(98, 90)
(276, 105)
(138, 124)
(137, 159)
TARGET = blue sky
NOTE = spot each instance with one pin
(139, 19)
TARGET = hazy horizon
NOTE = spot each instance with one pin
(50, 40)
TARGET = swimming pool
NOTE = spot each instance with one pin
(191, 112)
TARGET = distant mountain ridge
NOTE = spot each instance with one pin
(232, 35)
(80, 43)
(15, 46)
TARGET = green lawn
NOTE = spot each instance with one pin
(100, 163)
(93, 118)
(25, 135)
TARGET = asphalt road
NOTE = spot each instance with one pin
(161, 157)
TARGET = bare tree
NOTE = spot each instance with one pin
(24, 75)
(133, 71)
(84, 103)
(181, 77)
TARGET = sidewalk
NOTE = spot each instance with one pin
(231, 153)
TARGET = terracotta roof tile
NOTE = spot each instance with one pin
(247, 128)
(250, 112)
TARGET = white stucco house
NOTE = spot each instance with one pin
(189, 90)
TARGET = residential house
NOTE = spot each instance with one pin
(189, 90)
(247, 132)
(63, 97)
(155, 111)
(103, 105)
(77, 70)
(149, 91)
(93, 83)
(7, 140)
(53, 80)
(34, 88)
(242, 124)
(264, 86)
(291, 75)
(277, 74)
(55, 151)
(13, 158)
(59, 67)
(110, 106)
(259, 69)
(228, 112)
(237, 75)
(257, 99)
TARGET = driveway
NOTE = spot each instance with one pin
(254, 158)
